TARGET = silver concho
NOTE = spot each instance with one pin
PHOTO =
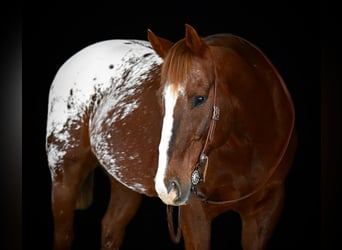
(195, 177)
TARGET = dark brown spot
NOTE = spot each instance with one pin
(146, 55)
(111, 66)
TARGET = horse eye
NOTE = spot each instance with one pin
(198, 100)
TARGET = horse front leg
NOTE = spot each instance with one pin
(196, 226)
(259, 220)
(122, 206)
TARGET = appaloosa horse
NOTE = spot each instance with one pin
(206, 124)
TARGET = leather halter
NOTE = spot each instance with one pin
(203, 161)
(198, 176)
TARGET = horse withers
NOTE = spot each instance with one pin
(205, 124)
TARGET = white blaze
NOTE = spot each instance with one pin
(170, 97)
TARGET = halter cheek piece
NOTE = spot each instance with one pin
(203, 161)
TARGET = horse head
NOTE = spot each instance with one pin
(187, 89)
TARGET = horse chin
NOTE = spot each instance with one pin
(181, 203)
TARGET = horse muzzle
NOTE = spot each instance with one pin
(176, 195)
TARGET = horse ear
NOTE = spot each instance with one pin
(193, 41)
(160, 45)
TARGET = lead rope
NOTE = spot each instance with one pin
(174, 237)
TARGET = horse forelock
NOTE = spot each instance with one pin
(177, 65)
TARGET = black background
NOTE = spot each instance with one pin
(289, 35)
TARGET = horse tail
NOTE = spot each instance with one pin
(85, 197)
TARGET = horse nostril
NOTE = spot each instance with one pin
(174, 186)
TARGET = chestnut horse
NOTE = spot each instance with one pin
(206, 124)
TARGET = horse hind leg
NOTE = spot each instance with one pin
(85, 196)
(67, 184)
(122, 206)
